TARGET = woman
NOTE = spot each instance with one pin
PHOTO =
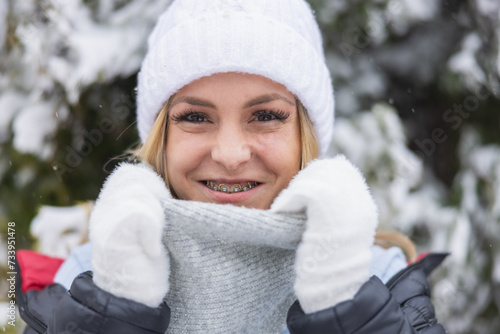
(231, 224)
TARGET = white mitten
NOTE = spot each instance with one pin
(333, 258)
(126, 227)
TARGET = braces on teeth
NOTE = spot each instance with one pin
(231, 188)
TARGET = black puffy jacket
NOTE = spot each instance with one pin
(402, 306)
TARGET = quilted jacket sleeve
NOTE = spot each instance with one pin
(48, 308)
(88, 309)
(401, 306)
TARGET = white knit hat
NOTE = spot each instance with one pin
(277, 39)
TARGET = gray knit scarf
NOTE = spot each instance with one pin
(231, 267)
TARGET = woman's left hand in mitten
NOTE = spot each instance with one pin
(129, 259)
(333, 257)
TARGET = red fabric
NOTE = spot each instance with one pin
(419, 257)
(37, 270)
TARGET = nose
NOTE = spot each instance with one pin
(231, 149)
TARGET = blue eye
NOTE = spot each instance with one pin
(270, 115)
(265, 117)
(190, 117)
(195, 118)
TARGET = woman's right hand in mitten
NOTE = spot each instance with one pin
(129, 259)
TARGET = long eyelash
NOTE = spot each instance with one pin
(183, 116)
(279, 114)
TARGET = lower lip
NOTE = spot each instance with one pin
(230, 198)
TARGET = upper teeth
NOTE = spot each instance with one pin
(231, 188)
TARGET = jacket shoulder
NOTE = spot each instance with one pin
(401, 306)
(49, 308)
(412, 292)
(94, 310)
(36, 293)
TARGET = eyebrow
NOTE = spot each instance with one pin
(193, 101)
(256, 101)
(266, 99)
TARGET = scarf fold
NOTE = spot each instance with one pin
(231, 268)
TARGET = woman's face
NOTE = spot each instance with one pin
(232, 138)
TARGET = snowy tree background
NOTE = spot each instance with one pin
(418, 110)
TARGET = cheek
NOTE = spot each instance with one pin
(281, 152)
(184, 152)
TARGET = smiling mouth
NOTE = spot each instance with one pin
(231, 188)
